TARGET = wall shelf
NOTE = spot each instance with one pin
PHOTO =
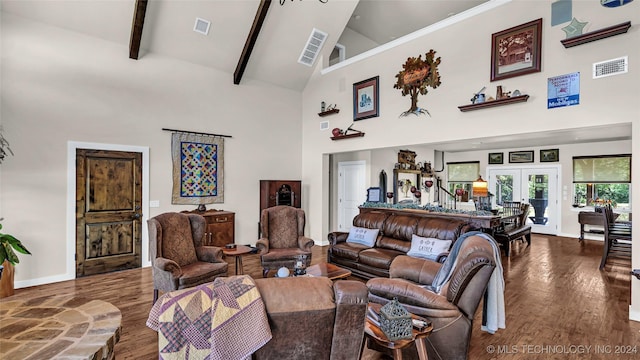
(329, 112)
(341, 137)
(596, 35)
(488, 104)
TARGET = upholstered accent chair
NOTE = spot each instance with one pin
(283, 242)
(179, 258)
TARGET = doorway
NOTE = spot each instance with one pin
(108, 211)
(536, 185)
(73, 188)
(352, 191)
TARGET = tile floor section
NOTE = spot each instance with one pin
(58, 327)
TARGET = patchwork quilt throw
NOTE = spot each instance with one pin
(198, 169)
(224, 320)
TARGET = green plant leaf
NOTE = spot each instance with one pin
(3, 255)
(17, 245)
(11, 256)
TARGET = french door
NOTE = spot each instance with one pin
(536, 185)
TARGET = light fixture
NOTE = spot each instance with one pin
(480, 187)
(283, 1)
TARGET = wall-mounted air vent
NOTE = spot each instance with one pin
(324, 125)
(611, 67)
(202, 26)
(313, 47)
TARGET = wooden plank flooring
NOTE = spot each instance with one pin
(556, 301)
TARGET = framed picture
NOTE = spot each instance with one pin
(521, 156)
(496, 158)
(365, 99)
(516, 51)
(374, 194)
(549, 155)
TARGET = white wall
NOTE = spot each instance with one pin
(465, 51)
(59, 86)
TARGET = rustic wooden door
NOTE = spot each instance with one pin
(108, 211)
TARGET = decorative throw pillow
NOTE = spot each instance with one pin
(363, 236)
(428, 248)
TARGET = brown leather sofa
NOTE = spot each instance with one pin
(452, 309)
(313, 318)
(394, 239)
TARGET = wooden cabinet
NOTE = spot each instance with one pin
(280, 192)
(220, 229)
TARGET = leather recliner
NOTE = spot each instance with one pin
(451, 311)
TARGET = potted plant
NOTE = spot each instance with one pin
(8, 258)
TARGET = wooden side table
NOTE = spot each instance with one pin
(373, 333)
(237, 252)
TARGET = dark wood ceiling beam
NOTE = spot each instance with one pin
(251, 40)
(136, 28)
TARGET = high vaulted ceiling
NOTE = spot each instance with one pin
(168, 30)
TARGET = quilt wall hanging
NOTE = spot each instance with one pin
(198, 169)
(415, 77)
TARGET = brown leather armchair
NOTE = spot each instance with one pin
(335, 311)
(179, 259)
(283, 242)
(452, 309)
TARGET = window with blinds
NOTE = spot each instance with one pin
(600, 180)
(461, 175)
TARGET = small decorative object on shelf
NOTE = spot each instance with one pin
(596, 35)
(478, 97)
(328, 110)
(338, 134)
(395, 321)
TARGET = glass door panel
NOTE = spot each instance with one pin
(541, 185)
(536, 186)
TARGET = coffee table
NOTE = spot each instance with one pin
(331, 271)
(373, 333)
(238, 252)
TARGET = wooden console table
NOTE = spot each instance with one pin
(591, 218)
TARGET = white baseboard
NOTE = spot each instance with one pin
(586, 236)
(42, 281)
(633, 314)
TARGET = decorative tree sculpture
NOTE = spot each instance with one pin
(417, 75)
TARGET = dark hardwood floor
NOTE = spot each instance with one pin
(558, 304)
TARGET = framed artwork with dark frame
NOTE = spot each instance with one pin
(516, 51)
(550, 155)
(365, 99)
(521, 156)
(496, 158)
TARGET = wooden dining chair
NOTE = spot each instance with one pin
(617, 237)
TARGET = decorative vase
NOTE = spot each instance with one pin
(390, 197)
(6, 280)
